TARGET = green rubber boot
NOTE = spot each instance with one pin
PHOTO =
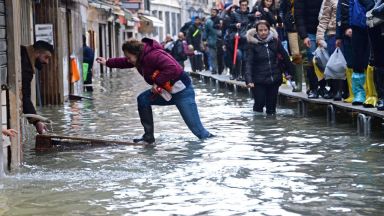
(298, 77)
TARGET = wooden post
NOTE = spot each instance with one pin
(14, 77)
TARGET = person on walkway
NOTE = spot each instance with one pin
(211, 43)
(88, 58)
(162, 71)
(326, 38)
(179, 48)
(287, 14)
(344, 41)
(167, 43)
(263, 74)
(264, 10)
(306, 17)
(240, 23)
(33, 57)
(376, 36)
(194, 38)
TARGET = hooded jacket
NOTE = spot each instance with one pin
(152, 58)
(262, 64)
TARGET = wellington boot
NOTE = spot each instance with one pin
(338, 89)
(358, 81)
(371, 99)
(349, 72)
(379, 84)
(146, 119)
(298, 77)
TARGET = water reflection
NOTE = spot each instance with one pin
(256, 165)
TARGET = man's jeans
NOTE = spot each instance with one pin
(213, 59)
(185, 103)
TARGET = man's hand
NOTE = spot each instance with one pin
(9, 132)
(339, 42)
(307, 42)
(41, 128)
(348, 32)
(238, 25)
(257, 14)
(250, 85)
(101, 60)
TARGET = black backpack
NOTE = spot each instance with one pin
(178, 51)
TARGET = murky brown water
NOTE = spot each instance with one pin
(288, 165)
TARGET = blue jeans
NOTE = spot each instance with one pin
(212, 59)
(331, 44)
(185, 103)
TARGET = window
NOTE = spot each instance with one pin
(173, 24)
(161, 15)
(167, 29)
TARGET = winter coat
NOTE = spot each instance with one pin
(342, 18)
(262, 64)
(287, 14)
(151, 59)
(210, 33)
(194, 37)
(307, 16)
(245, 19)
(27, 72)
(327, 19)
(268, 16)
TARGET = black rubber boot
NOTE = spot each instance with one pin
(338, 89)
(146, 119)
(379, 82)
(329, 94)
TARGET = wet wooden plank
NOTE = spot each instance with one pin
(48, 142)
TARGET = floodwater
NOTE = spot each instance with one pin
(256, 165)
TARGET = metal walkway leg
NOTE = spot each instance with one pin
(363, 124)
(331, 114)
(302, 108)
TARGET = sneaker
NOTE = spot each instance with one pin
(313, 94)
(322, 92)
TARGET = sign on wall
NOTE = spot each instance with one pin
(44, 32)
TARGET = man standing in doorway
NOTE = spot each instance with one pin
(33, 57)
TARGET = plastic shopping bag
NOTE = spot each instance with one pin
(321, 57)
(336, 66)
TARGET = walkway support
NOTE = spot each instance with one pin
(363, 124)
(331, 114)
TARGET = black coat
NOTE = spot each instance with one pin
(287, 16)
(342, 18)
(245, 18)
(268, 16)
(27, 73)
(194, 37)
(262, 63)
(307, 16)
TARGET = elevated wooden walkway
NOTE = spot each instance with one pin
(363, 114)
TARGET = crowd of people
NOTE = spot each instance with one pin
(261, 43)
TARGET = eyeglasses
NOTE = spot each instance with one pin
(244, 5)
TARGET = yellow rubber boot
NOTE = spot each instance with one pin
(348, 73)
(371, 100)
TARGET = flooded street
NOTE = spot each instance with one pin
(256, 165)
